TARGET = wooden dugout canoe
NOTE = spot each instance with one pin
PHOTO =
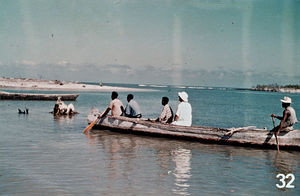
(33, 96)
(244, 136)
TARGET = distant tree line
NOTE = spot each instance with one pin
(276, 87)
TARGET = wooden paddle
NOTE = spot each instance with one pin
(86, 130)
(275, 134)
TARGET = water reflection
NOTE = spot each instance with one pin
(130, 157)
(23, 116)
(63, 119)
(182, 171)
(155, 165)
(120, 153)
(284, 163)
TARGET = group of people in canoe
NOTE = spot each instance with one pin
(183, 115)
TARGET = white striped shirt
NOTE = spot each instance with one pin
(165, 114)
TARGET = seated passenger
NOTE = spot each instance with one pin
(183, 114)
(166, 115)
(115, 106)
(132, 109)
(288, 118)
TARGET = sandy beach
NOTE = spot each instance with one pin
(36, 84)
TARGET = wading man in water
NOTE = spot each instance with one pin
(183, 114)
(288, 119)
(60, 108)
(115, 106)
(132, 109)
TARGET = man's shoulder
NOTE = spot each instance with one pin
(133, 102)
(185, 104)
(287, 111)
(116, 101)
(166, 107)
(290, 108)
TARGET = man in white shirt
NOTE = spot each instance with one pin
(183, 115)
(115, 106)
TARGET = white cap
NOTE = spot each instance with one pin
(183, 95)
(286, 100)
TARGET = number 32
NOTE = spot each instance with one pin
(282, 178)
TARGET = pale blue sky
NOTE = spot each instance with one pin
(189, 42)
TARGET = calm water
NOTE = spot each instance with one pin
(43, 155)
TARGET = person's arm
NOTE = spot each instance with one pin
(176, 118)
(123, 111)
(105, 113)
(127, 110)
(178, 112)
(275, 116)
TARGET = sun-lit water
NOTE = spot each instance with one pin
(43, 155)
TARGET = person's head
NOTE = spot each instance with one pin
(58, 99)
(183, 96)
(164, 100)
(114, 95)
(129, 97)
(286, 101)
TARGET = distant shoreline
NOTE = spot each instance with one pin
(277, 88)
(56, 85)
(281, 90)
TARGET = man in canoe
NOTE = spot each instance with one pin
(115, 106)
(288, 119)
(166, 115)
(132, 109)
(183, 114)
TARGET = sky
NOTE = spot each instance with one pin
(225, 43)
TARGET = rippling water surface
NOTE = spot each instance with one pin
(43, 155)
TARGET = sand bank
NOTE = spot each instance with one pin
(35, 84)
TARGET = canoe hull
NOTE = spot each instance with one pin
(32, 96)
(243, 137)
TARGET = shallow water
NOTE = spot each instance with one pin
(43, 155)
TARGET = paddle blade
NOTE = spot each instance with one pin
(86, 130)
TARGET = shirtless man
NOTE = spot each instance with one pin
(288, 119)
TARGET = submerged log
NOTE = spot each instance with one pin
(33, 96)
